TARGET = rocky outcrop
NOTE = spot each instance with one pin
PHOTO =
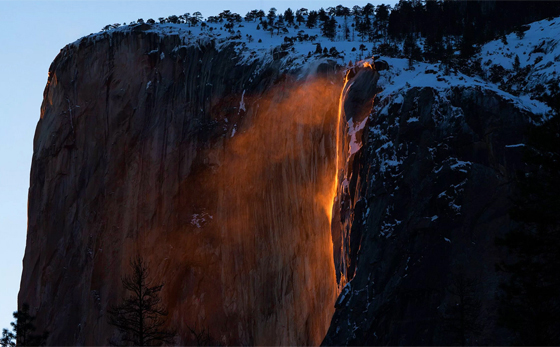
(218, 173)
(426, 197)
(356, 102)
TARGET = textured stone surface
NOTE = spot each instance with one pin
(427, 195)
(221, 176)
(217, 173)
(355, 106)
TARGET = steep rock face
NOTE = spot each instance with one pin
(428, 193)
(219, 174)
(222, 176)
(356, 101)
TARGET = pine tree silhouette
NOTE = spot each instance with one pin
(8, 338)
(141, 317)
(23, 329)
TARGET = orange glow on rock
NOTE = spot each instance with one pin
(367, 64)
(341, 122)
(355, 105)
(261, 271)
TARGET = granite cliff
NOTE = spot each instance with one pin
(279, 202)
(214, 171)
(425, 198)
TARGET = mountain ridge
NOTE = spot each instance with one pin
(147, 132)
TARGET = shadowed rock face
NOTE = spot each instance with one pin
(428, 194)
(218, 174)
(221, 176)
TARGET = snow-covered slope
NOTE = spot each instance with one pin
(399, 78)
(258, 44)
(538, 70)
(429, 182)
(538, 52)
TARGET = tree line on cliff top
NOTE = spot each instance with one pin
(446, 26)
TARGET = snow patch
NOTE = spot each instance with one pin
(355, 145)
(242, 103)
(199, 219)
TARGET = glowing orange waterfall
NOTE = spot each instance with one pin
(222, 182)
(271, 225)
(339, 157)
(359, 81)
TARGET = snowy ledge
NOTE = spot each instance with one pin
(399, 77)
(257, 45)
(251, 44)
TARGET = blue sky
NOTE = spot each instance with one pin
(32, 34)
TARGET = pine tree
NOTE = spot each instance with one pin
(362, 29)
(280, 25)
(356, 11)
(468, 40)
(367, 27)
(23, 330)
(368, 9)
(289, 16)
(434, 49)
(299, 17)
(516, 63)
(318, 49)
(249, 17)
(381, 20)
(329, 28)
(312, 19)
(447, 58)
(141, 317)
(322, 15)
(271, 16)
(342, 11)
(8, 339)
(196, 18)
(363, 48)
(411, 49)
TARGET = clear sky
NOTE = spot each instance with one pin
(32, 34)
